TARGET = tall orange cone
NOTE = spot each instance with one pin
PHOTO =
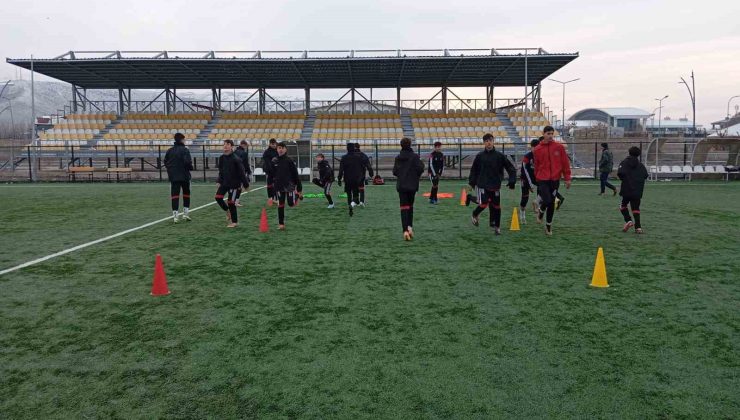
(515, 220)
(264, 227)
(463, 197)
(598, 279)
(159, 282)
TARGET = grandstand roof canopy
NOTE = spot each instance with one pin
(300, 69)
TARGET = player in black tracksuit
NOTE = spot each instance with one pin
(351, 171)
(407, 169)
(231, 178)
(633, 175)
(485, 176)
(288, 186)
(267, 156)
(527, 180)
(325, 179)
(435, 167)
(367, 169)
(243, 153)
(179, 164)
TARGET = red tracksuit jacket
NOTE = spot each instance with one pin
(551, 162)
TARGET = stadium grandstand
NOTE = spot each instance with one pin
(97, 132)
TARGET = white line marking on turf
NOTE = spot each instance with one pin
(97, 241)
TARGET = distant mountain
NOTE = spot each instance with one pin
(52, 97)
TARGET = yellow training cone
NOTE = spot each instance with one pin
(599, 277)
(515, 220)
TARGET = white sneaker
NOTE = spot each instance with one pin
(186, 217)
(353, 204)
(362, 204)
(175, 219)
(330, 206)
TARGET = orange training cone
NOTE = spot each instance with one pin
(515, 220)
(463, 197)
(264, 227)
(599, 277)
(159, 282)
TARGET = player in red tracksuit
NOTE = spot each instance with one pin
(551, 164)
(527, 180)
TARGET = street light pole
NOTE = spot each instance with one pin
(692, 95)
(563, 107)
(728, 105)
(660, 111)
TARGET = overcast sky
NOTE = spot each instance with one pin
(631, 51)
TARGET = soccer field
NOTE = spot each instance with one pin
(340, 318)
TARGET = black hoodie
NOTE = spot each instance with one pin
(285, 173)
(633, 175)
(178, 163)
(488, 170)
(244, 156)
(267, 160)
(231, 172)
(326, 173)
(351, 167)
(407, 169)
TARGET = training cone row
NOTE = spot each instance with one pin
(159, 282)
(264, 226)
(598, 279)
(515, 220)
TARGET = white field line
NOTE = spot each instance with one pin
(97, 241)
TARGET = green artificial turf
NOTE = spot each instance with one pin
(340, 318)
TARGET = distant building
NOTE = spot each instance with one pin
(628, 119)
(670, 126)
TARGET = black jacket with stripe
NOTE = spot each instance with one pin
(285, 174)
(178, 163)
(231, 172)
(326, 173)
(436, 164)
(488, 170)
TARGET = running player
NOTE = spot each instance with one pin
(325, 179)
(288, 186)
(435, 168)
(243, 153)
(351, 170)
(485, 177)
(231, 177)
(179, 164)
(407, 169)
(267, 156)
(633, 175)
(550, 165)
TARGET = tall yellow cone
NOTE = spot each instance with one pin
(515, 220)
(599, 277)
(463, 196)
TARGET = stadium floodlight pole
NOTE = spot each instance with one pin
(33, 117)
(728, 104)
(562, 116)
(660, 111)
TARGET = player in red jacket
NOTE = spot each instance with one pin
(551, 164)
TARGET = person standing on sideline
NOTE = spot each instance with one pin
(179, 164)
(267, 156)
(550, 164)
(367, 170)
(288, 186)
(633, 175)
(407, 168)
(606, 164)
(325, 179)
(485, 177)
(231, 177)
(242, 152)
(435, 168)
(351, 170)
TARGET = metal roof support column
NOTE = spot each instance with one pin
(353, 105)
(261, 101)
(537, 97)
(398, 100)
(169, 102)
(216, 100)
(74, 99)
(444, 99)
(308, 101)
(489, 98)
